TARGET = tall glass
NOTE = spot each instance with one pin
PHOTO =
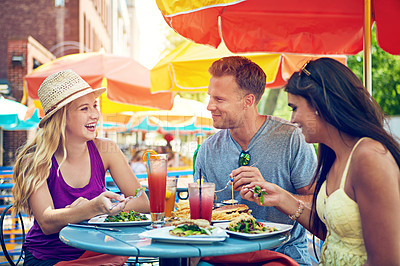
(170, 195)
(201, 198)
(156, 167)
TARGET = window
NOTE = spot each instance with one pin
(59, 3)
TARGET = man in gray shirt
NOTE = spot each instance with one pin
(252, 147)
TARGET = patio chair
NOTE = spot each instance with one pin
(12, 235)
(135, 261)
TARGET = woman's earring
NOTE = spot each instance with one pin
(316, 112)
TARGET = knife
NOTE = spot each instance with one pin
(95, 227)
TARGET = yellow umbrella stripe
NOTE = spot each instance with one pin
(186, 68)
(180, 7)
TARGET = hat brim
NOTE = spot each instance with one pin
(97, 92)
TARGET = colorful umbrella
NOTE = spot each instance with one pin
(186, 67)
(289, 26)
(127, 82)
(151, 124)
(186, 116)
(285, 26)
(143, 125)
(184, 112)
(15, 116)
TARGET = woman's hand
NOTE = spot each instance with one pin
(79, 201)
(105, 204)
(271, 194)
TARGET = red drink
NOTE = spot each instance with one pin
(201, 200)
(157, 179)
(157, 187)
(206, 208)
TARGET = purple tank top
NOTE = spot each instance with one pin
(50, 246)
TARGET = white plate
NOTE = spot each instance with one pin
(162, 234)
(219, 221)
(281, 229)
(99, 220)
(229, 202)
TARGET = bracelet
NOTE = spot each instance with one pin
(299, 211)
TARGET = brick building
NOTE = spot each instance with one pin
(34, 32)
(61, 26)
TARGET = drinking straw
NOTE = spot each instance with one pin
(200, 193)
(233, 201)
(148, 161)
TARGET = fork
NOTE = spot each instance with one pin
(231, 180)
(138, 193)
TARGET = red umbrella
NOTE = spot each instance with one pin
(289, 26)
(128, 82)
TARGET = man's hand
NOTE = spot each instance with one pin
(244, 175)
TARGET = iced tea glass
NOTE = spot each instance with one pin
(201, 198)
(170, 195)
(156, 167)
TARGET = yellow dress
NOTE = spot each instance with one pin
(344, 242)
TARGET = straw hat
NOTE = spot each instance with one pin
(61, 88)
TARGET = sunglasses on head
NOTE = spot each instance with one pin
(244, 158)
(309, 74)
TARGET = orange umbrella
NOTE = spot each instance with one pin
(289, 26)
(127, 82)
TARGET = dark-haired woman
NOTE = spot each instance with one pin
(356, 204)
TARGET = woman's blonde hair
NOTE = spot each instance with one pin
(33, 163)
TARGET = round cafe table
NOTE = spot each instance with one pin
(126, 242)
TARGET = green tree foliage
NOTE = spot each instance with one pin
(385, 76)
(173, 40)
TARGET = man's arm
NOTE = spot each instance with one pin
(305, 194)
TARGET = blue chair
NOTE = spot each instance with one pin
(12, 235)
(314, 248)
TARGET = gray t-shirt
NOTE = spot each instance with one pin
(283, 158)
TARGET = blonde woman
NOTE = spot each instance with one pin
(60, 176)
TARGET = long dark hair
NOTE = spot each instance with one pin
(340, 99)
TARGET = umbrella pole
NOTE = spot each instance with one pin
(101, 116)
(1, 147)
(367, 47)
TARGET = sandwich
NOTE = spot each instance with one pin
(188, 227)
(229, 212)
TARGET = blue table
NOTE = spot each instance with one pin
(127, 243)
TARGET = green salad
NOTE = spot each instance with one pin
(260, 194)
(250, 227)
(189, 230)
(126, 217)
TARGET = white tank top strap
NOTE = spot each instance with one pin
(346, 169)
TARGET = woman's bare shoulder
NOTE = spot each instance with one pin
(369, 148)
(104, 143)
(372, 159)
(106, 146)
